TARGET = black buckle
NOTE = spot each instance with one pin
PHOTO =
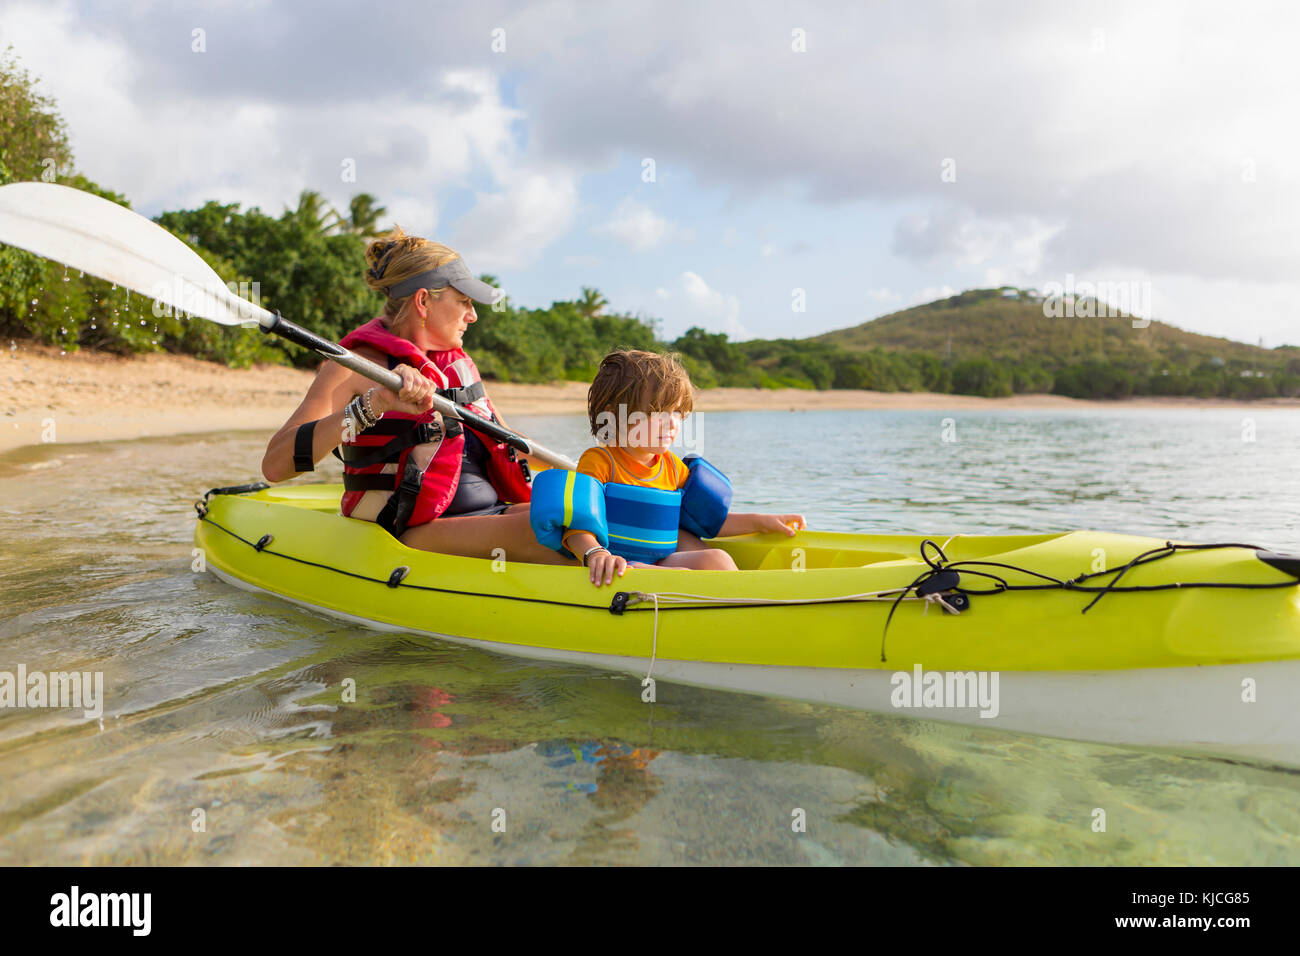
(411, 483)
(428, 431)
(937, 582)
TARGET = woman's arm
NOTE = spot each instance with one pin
(331, 390)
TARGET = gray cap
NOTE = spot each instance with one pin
(455, 274)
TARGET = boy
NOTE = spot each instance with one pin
(636, 405)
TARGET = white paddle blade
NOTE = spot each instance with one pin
(95, 235)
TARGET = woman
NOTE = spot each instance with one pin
(436, 485)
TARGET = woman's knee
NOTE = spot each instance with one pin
(715, 559)
(707, 559)
(507, 536)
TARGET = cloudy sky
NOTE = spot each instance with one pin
(874, 155)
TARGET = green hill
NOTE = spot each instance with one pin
(982, 323)
(1005, 331)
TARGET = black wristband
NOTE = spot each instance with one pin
(302, 444)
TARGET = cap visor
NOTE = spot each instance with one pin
(477, 290)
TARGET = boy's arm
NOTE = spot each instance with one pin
(579, 542)
(595, 465)
(749, 523)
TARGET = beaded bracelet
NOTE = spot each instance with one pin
(356, 410)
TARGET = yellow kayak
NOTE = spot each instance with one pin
(1181, 645)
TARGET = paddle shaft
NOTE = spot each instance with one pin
(278, 325)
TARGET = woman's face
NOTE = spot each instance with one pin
(440, 323)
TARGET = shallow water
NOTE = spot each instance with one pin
(228, 703)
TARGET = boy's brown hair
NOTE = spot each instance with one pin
(642, 382)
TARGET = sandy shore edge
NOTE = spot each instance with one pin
(48, 395)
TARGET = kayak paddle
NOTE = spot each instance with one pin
(100, 237)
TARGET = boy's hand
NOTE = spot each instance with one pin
(603, 566)
(786, 524)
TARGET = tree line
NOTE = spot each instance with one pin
(308, 262)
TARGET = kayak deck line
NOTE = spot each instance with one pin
(626, 600)
(394, 580)
(622, 599)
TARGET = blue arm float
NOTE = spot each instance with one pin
(706, 498)
(563, 500)
(642, 522)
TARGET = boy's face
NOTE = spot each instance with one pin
(653, 433)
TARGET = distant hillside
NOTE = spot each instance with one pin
(983, 323)
(1000, 341)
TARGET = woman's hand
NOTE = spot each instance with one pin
(415, 397)
(603, 565)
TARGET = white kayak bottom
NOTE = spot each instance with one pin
(1241, 711)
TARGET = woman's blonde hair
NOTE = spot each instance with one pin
(640, 381)
(396, 256)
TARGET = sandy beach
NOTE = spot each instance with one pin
(47, 395)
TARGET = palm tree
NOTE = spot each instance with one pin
(364, 212)
(591, 303)
(362, 219)
(314, 211)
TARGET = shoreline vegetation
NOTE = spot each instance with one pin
(984, 344)
(47, 394)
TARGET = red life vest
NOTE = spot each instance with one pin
(405, 464)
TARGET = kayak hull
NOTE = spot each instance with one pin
(1205, 670)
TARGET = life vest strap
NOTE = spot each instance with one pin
(465, 395)
(454, 375)
(383, 482)
(408, 435)
(397, 511)
(302, 448)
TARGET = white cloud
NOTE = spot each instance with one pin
(883, 295)
(636, 225)
(954, 234)
(1166, 150)
(1246, 311)
(182, 150)
(511, 228)
(419, 217)
(694, 302)
(1134, 152)
(929, 294)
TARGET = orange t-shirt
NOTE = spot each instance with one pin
(608, 463)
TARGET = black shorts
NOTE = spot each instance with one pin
(496, 509)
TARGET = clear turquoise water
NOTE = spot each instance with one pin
(227, 703)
